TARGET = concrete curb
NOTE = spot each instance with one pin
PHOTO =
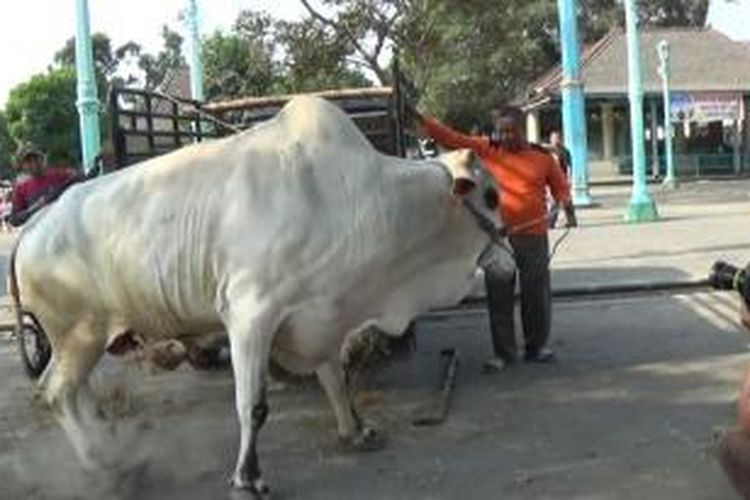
(627, 181)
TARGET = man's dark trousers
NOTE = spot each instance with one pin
(532, 262)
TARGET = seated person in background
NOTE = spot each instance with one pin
(37, 185)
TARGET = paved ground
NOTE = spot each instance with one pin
(628, 411)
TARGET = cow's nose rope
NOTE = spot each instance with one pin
(498, 235)
(558, 242)
(485, 223)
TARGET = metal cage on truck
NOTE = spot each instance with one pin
(145, 124)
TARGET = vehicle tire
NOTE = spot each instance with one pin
(35, 349)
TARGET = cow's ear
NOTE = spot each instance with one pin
(459, 165)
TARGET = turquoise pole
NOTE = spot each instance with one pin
(642, 207)
(670, 180)
(573, 105)
(87, 101)
(196, 59)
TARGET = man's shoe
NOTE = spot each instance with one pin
(494, 365)
(544, 355)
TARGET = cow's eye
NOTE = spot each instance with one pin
(490, 198)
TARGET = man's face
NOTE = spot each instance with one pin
(509, 133)
(554, 139)
(32, 165)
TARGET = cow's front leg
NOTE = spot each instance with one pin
(353, 433)
(250, 348)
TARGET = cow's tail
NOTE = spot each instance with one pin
(36, 361)
(13, 284)
(12, 275)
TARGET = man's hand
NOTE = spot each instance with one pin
(570, 216)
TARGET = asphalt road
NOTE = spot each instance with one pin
(628, 412)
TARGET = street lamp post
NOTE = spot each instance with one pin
(670, 180)
(574, 120)
(642, 207)
(87, 101)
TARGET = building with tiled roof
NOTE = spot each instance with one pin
(710, 84)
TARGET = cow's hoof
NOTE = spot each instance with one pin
(368, 439)
(257, 487)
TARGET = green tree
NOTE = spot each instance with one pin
(42, 111)
(261, 55)
(108, 62)
(487, 49)
(673, 12)
(490, 55)
(235, 66)
(316, 58)
(105, 61)
(367, 28)
(240, 63)
(7, 148)
(157, 68)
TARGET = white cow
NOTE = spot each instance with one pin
(289, 236)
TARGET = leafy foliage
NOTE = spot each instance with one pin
(261, 55)
(157, 68)
(105, 61)
(315, 58)
(240, 63)
(42, 111)
(487, 49)
(464, 57)
(7, 148)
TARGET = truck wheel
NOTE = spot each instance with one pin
(35, 350)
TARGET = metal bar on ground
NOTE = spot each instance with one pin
(436, 411)
(601, 291)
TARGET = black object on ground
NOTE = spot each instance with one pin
(436, 411)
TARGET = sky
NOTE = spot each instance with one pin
(33, 30)
(731, 17)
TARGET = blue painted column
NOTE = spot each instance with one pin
(87, 101)
(662, 49)
(196, 53)
(642, 207)
(573, 106)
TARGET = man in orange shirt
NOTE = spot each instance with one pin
(524, 172)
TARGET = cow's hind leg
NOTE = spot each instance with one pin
(250, 337)
(68, 393)
(99, 445)
(353, 433)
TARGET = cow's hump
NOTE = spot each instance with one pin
(310, 118)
